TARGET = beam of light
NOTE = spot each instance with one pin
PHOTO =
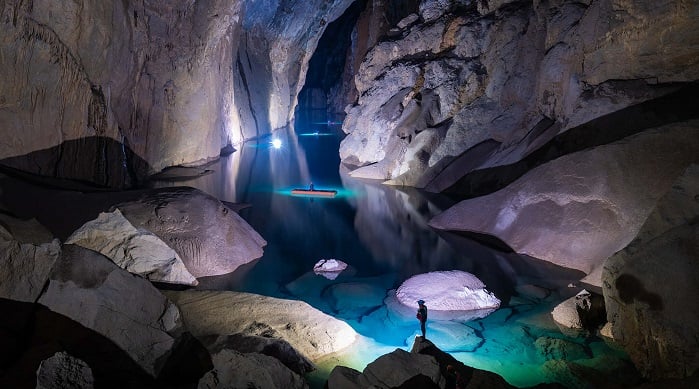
(276, 143)
(315, 134)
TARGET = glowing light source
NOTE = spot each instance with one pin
(276, 143)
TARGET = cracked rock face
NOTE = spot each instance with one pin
(496, 71)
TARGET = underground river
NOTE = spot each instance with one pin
(381, 232)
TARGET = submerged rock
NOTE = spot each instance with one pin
(650, 287)
(453, 290)
(209, 237)
(311, 332)
(62, 371)
(137, 251)
(90, 289)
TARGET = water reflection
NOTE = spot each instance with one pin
(381, 232)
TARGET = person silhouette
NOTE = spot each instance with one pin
(422, 315)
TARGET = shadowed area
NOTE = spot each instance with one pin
(631, 289)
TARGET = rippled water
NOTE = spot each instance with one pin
(382, 233)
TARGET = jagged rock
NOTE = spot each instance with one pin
(277, 348)
(581, 208)
(27, 255)
(650, 287)
(63, 371)
(447, 76)
(329, 268)
(581, 313)
(92, 290)
(210, 239)
(136, 251)
(311, 332)
(424, 367)
(233, 370)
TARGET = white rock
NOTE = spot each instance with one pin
(311, 332)
(453, 290)
(137, 251)
(63, 371)
(329, 268)
(90, 289)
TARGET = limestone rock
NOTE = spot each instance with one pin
(122, 86)
(311, 332)
(581, 313)
(329, 268)
(581, 208)
(453, 290)
(233, 370)
(26, 260)
(560, 349)
(650, 287)
(210, 239)
(136, 251)
(447, 75)
(92, 290)
(63, 371)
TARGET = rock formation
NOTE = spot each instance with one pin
(483, 84)
(209, 237)
(63, 371)
(579, 209)
(137, 251)
(453, 290)
(95, 292)
(650, 287)
(311, 332)
(235, 370)
(581, 314)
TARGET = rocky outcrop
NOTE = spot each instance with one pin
(452, 290)
(64, 371)
(90, 289)
(650, 287)
(581, 314)
(27, 255)
(136, 251)
(579, 209)
(485, 83)
(235, 370)
(209, 237)
(311, 332)
(425, 366)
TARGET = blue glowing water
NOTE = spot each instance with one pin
(382, 233)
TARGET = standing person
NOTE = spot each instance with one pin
(422, 315)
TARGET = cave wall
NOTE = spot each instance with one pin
(510, 75)
(109, 92)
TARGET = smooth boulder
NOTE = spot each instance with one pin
(207, 235)
(135, 250)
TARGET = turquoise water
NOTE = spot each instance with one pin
(382, 233)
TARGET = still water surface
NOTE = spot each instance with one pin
(382, 233)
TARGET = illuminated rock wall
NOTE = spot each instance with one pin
(507, 76)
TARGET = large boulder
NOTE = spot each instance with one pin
(90, 289)
(27, 255)
(650, 287)
(311, 332)
(441, 89)
(581, 314)
(137, 251)
(453, 290)
(233, 370)
(579, 209)
(210, 239)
